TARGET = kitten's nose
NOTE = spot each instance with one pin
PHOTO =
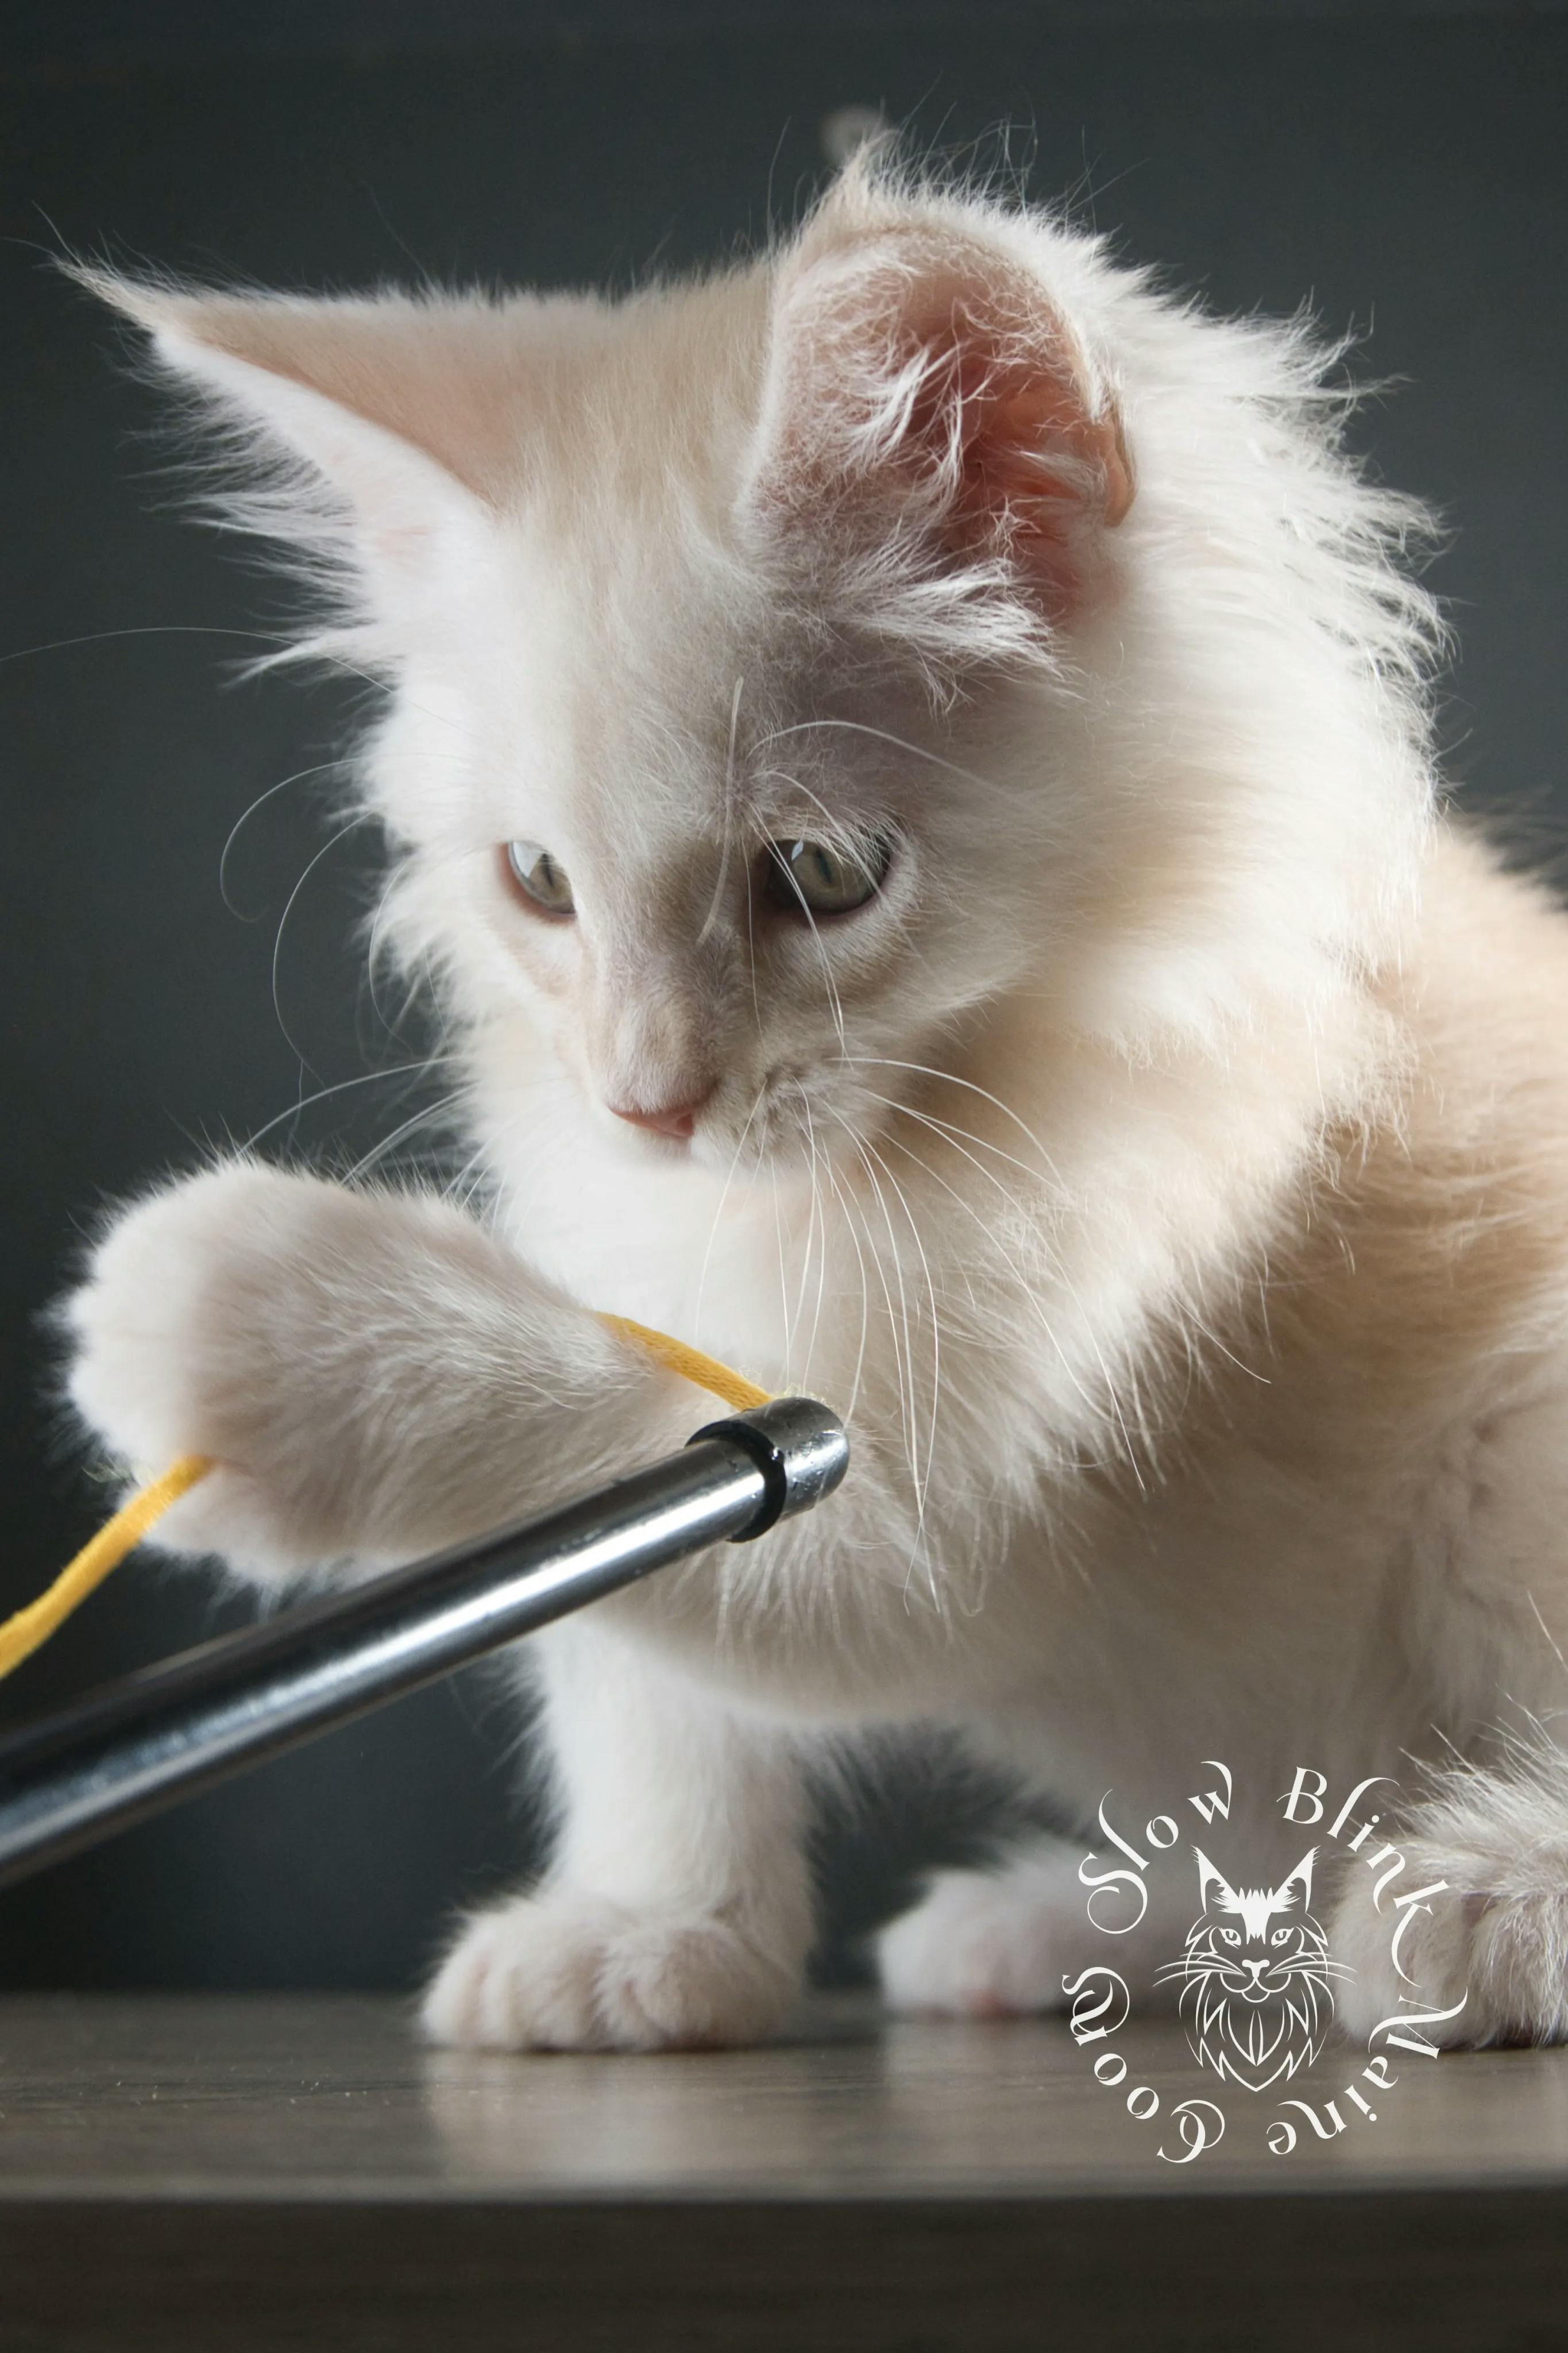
(675, 1119)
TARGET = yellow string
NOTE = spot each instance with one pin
(739, 1394)
(23, 1634)
(30, 1628)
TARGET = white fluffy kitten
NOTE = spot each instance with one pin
(1132, 1104)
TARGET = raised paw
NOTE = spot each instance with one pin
(168, 1359)
(275, 1323)
(567, 1970)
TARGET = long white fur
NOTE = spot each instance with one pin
(1169, 1171)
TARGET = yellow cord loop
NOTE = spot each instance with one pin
(30, 1628)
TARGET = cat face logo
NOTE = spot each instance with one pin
(1255, 1978)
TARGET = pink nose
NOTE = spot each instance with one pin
(677, 1120)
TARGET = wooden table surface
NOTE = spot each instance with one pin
(258, 2171)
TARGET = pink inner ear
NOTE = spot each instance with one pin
(921, 382)
(1037, 472)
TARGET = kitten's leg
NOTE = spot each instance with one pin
(676, 1910)
(1495, 1940)
(997, 1944)
(375, 1375)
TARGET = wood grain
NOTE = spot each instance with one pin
(255, 2173)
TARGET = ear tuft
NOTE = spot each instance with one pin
(1302, 1874)
(1208, 1877)
(445, 375)
(365, 437)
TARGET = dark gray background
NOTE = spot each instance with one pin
(1405, 170)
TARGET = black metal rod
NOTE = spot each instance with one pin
(157, 1737)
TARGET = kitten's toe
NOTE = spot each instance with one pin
(566, 1970)
(212, 1321)
(984, 1944)
(147, 1373)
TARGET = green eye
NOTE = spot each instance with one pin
(536, 877)
(814, 877)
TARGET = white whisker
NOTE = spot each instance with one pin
(951, 1078)
(922, 1479)
(899, 1325)
(783, 1273)
(828, 981)
(1011, 1263)
(953, 1132)
(819, 1226)
(900, 742)
(865, 1289)
(366, 1079)
(426, 1118)
(887, 1062)
(330, 844)
(712, 915)
(321, 769)
(719, 1212)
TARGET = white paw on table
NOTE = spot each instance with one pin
(568, 1970)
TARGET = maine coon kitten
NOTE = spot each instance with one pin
(907, 760)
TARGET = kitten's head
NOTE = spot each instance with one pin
(1255, 1977)
(786, 665)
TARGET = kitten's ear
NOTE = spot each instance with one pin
(400, 408)
(918, 373)
(1297, 1888)
(1213, 1882)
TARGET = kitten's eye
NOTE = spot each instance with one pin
(814, 876)
(1231, 1936)
(1281, 1936)
(534, 875)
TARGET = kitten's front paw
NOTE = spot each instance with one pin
(204, 1326)
(566, 1970)
(985, 1944)
(1495, 1954)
